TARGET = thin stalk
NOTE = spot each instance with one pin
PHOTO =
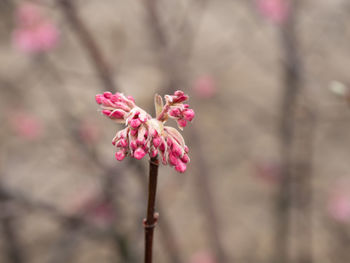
(166, 231)
(151, 220)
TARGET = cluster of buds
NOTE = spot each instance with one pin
(146, 135)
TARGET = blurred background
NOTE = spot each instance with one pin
(269, 178)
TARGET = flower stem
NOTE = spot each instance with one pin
(152, 217)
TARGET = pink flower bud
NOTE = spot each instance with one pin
(120, 155)
(107, 102)
(185, 158)
(107, 94)
(118, 114)
(182, 122)
(175, 112)
(156, 142)
(188, 114)
(176, 149)
(179, 93)
(133, 145)
(169, 141)
(180, 167)
(173, 159)
(98, 98)
(133, 132)
(162, 146)
(139, 153)
(135, 123)
(122, 143)
(107, 112)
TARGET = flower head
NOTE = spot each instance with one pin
(146, 135)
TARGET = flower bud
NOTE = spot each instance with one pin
(188, 114)
(139, 153)
(120, 155)
(180, 167)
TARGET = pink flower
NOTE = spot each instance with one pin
(339, 203)
(146, 135)
(26, 125)
(202, 257)
(204, 87)
(275, 10)
(34, 33)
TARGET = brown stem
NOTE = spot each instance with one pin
(101, 65)
(167, 235)
(152, 217)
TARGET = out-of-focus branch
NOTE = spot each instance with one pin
(206, 198)
(303, 182)
(291, 90)
(30, 204)
(291, 170)
(11, 241)
(87, 40)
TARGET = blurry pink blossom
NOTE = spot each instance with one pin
(268, 171)
(26, 125)
(275, 10)
(339, 204)
(89, 131)
(202, 257)
(34, 33)
(204, 87)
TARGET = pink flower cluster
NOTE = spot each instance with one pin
(146, 135)
(34, 33)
